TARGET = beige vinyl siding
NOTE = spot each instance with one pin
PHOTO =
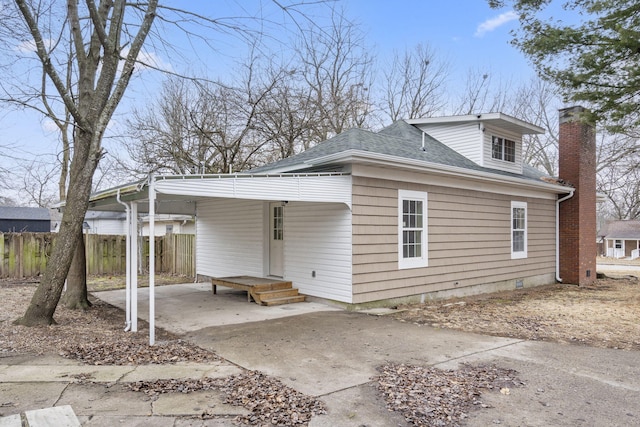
(490, 162)
(464, 138)
(468, 234)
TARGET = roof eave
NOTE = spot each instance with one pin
(352, 156)
(524, 127)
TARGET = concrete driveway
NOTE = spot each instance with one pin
(333, 354)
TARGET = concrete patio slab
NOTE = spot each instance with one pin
(191, 306)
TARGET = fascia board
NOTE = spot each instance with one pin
(525, 127)
(353, 156)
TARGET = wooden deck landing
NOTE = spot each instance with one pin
(262, 290)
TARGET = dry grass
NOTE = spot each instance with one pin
(603, 315)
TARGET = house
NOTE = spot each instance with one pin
(24, 219)
(424, 208)
(621, 239)
(168, 224)
(114, 223)
(105, 223)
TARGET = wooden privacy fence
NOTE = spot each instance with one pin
(26, 254)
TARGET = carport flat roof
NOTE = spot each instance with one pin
(178, 194)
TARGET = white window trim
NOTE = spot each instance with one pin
(520, 254)
(503, 146)
(417, 262)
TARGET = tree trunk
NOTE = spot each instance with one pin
(46, 297)
(76, 296)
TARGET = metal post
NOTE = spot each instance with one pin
(134, 266)
(152, 261)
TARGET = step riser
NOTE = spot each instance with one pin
(290, 300)
(275, 294)
(271, 287)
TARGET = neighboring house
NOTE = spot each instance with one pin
(22, 219)
(621, 239)
(168, 224)
(423, 208)
(114, 223)
(105, 223)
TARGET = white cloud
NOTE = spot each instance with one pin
(49, 126)
(493, 23)
(29, 46)
(148, 60)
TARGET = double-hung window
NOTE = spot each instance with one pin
(518, 230)
(503, 149)
(412, 229)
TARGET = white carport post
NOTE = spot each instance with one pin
(133, 271)
(152, 261)
(127, 294)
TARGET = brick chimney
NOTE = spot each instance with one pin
(577, 166)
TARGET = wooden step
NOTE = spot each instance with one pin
(271, 286)
(284, 300)
(278, 293)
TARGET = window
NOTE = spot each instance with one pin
(278, 223)
(503, 149)
(518, 230)
(412, 229)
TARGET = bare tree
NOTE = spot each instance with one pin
(618, 160)
(286, 117)
(537, 102)
(204, 127)
(37, 177)
(337, 67)
(102, 66)
(106, 40)
(414, 85)
(481, 94)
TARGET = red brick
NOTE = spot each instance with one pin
(577, 222)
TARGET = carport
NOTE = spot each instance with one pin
(179, 194)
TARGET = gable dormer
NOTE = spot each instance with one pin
(492, 140)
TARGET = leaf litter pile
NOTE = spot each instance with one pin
(269, 400)
(427, 396)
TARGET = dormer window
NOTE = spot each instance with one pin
(503, 149)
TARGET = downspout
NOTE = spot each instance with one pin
(567, 197)
(127, 322)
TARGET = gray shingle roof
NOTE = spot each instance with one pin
(399, 139)
(24, 213)
(629, 229)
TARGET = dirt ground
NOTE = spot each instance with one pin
(603, 315)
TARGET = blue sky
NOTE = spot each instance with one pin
(467, 33)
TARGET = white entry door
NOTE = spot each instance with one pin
(276, 239)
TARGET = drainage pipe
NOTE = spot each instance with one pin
(567, 197)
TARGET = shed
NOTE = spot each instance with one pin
(15, 219)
